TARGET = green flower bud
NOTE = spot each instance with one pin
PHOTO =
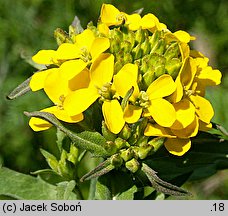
(137, 52)
(115, 45)
(127, 154)
(125, 132)
(172, 51)
(146, 47)
(173, 67)
(127, 58)
(154, 38)
(116, 160)
(130, 37)
(148, 78)
(144, 151)
(126, 46)
(110, 147)
(116, 34)
(108, 135)
(61, 36)
(159, 47)
(139, 36)
(159, 70)
(120, 143)
(156, 143)
(133, 165)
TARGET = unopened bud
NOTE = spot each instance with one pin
(61, 36)
(125, 132)
(139, 36)
(116, 160)
(173, 67)
(132, 165)
(144, 151)
(137, 52)
(148, 78)
(159, 47)
(108, 135)
(172, 51)
(156, 143)
(120, 143)
(127, 154)
(110, 147)
(146, 47)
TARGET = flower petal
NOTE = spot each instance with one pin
(125, 79)
(189, 131)
(209, 77)
(182, 36)
(99, 45)
(149, 21)
(177, 147)
(38, 124)
(113, 116)
(132, 113)
(102, 70)
(185, 114)
(157, 130)
(177, 95)
(78, 101)
(187, 72)
(45, 57)
(55, 86)
(67, 51)
(161, 87)
(85, 39)
(70, 69)
(162, 112)
(133, 21)
(203, 107)
(62, 115)
(81, 80)
(38, 79)
(109, 15)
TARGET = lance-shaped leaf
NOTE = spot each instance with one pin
(20, 90)
(90, 141)
(162, 186)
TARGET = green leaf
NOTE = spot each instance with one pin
(128, 194)
(64, 190)
(103, 190)
(21, 186)
(87, 140)
(20, 90)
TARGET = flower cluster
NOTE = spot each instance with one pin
(138, 70)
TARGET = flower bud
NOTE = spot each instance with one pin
(146, 47)
(154, 38)
(172, 51)
(125, 132)
(115, 45)
(126, 46)
(110, 147)
(159, 47)
(61, 36)
(139, 36)
(120, 143)
(144, 151)
(132, 165)
(148, 78)
(116, 160)
(127, 154)
(137, 52)
(108, 135)
(173, 67)
(156, 143)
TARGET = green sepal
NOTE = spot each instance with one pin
(90, 141)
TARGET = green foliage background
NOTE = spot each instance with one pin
(27, 26)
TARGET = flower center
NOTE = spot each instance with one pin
(106, 92)
(85, 55)
(142, 100)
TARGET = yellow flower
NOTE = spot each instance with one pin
(152, 100)
(101, 74)
(110, 16)
(57, 88)
(70, 58)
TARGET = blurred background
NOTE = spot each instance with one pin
(27, 26)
